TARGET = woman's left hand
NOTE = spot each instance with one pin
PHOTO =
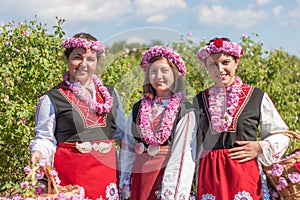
(247, 150)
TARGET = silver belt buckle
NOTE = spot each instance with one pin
(151, 150)
(102, 147)
(85, 147)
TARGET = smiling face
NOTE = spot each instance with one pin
(161, 77)
(221, 68)
(82, 64)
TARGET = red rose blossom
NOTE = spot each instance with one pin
(297, 165)
(242, 51)
(219, 42)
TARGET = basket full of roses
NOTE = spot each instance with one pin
(284, 176)
(42, 183)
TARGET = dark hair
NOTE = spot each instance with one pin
(86, 36)
(177, 86)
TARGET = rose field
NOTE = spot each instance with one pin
(31, 59)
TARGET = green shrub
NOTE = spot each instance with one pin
(32, 62)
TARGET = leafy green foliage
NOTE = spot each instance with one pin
(32, 62)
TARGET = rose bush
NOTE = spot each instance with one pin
(31, 59)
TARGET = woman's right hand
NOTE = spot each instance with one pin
(35, 156)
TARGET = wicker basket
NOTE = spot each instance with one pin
(292, 190)
(52, 189)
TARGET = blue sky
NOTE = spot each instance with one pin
(276, 22)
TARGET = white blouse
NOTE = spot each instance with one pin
(45, 122)
(273, 145)
(178, 175)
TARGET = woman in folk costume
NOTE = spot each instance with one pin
(230, 113)
(78, 121)
(158, 148)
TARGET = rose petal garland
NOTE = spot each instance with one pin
(99, 108)
(220, 45)
(219, 109)
(166, 52)
(156, 139)
(83, 43)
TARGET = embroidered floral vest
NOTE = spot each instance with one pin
(75, 121)
(244, 125)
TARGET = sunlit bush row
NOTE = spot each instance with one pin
(31, 60)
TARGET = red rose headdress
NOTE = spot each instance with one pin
(220, 45)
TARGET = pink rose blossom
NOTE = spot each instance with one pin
(24, 184)
(277, 170)
(282, 182)
(27, 169)
(294, 177)
(25, 34)
(24, 120)
(275, 194)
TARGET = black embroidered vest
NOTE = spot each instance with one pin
(246, 122)
(75, 121)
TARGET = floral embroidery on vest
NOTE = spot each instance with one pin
(89, 118)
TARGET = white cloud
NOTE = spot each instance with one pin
(75, 10)
(149, 7)
(294, 16)
(263, 2)
(158, 12)
(240, 19)
(277, 10)
(156, 18)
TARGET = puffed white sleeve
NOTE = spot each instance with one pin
(127, 158)
(179, 172)
(45, 122)
(273, 145)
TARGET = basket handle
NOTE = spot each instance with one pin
(290, 134)
(52, 186)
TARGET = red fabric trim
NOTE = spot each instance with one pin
(89, 118)
(243, 100)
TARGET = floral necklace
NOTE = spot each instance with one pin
(159, 137)
(99, 108)
(223, 103)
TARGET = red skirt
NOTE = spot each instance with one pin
(95, 172)
(222, 178)
(147, 176)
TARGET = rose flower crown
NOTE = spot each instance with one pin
(220, 45)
